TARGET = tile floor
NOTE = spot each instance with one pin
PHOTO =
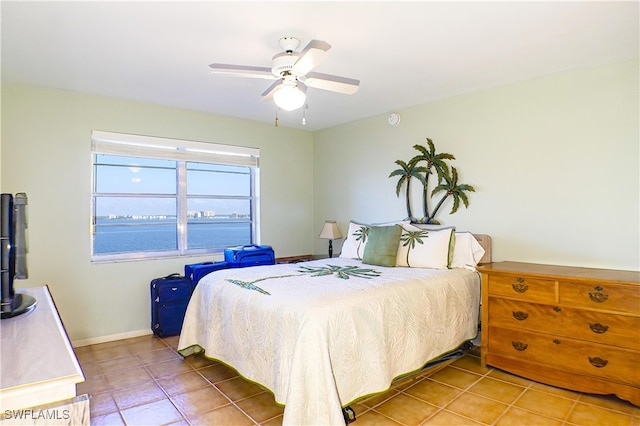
(143, 381)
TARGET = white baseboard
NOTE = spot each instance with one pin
(110, 338)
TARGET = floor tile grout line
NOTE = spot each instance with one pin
(512, 404)
(634, 413)
(462, 392)
(156, 380)
(386, 416)
(567, 416)
(438, 408)
(577, 398)
(212, 384)
(463, 416)
(167, 396)
(508, 405)
(110, 390)
(231, 400)
(529, 386)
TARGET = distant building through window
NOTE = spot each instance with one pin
(155, 197)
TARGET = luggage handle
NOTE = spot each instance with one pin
(174, 275)
(250, 246)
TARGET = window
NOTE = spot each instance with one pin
(154, 197)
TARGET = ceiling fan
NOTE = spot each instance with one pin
(292, 70)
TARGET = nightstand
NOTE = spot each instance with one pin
(295, 259)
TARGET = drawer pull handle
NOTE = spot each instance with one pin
(519, 287)
(519, 346)
(556, 341)
(520, 316)
(598, 296)
(598, 362)
(598, 328)
(557, 309)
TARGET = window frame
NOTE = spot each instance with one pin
(183, 152)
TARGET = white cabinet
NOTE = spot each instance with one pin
(37, 364)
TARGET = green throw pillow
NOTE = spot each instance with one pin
(382, 245)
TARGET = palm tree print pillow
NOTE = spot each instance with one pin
(426, 248)
(356, 241)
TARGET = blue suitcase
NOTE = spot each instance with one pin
(249, 255)
(195, 271)
(169, 299)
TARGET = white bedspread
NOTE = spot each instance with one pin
(320, 342)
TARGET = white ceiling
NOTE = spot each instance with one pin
(403, 53)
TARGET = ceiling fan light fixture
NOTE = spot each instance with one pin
(292, 71)
(289, 97)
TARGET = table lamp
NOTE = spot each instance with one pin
(330, 232)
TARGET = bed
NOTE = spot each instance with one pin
(325, 333)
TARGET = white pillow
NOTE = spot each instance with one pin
(467, 251)
(357, 237)
(356, 241)
(431, 248)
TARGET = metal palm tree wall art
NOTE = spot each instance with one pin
(420, 168)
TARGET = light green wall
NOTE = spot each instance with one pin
(46, 153)
(555, 163)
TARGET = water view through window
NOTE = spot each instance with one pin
(137, 204)
(121, 235)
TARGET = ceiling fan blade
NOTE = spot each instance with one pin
(310, 57)
(243, 71)
(267, 95)
(333, 83)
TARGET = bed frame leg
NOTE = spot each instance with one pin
(349, 415)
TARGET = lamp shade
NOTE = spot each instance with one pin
(330, 231)
(289, 97)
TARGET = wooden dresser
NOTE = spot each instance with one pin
(576, 328)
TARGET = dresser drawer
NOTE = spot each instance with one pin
(619, 365)
(606, 296)
(514, 313)
(523, 288)
(597, 327)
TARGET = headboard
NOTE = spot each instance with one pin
(485, 242)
